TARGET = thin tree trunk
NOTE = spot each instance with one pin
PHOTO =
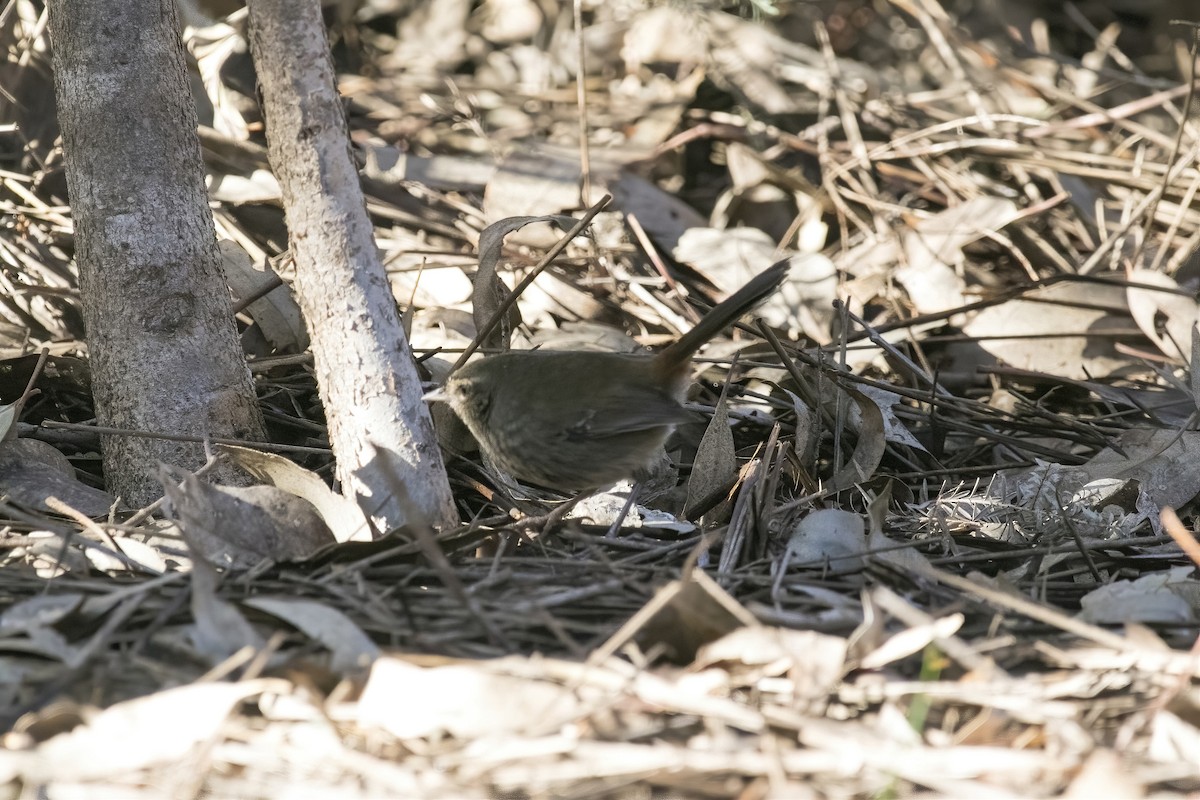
(162, 342)
(379, 426)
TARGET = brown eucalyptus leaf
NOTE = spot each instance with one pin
(220, 629)
(1162, 312)
(871, 443)
(350, 647)
(32, 472)
(1050, 329)
(490, 292)
(342, 515)
(828, 536)
(277, 313)
(239, 527)
(682, 617)
(715, 468)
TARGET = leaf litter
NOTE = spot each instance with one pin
(922, 545)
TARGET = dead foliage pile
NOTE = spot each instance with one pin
(926, 545)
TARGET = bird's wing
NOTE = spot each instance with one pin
(635, 410)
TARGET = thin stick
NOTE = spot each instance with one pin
(181, 437)
(538, 268)
(585, 158)
(1182, 536)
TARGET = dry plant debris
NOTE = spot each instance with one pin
(930, 548)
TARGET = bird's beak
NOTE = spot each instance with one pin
(438, 395)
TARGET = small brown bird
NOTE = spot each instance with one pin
(573, 420)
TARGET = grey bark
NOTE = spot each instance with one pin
(380, 428)
(162, 342)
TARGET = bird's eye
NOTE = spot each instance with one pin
(481, 405)
(470, 399)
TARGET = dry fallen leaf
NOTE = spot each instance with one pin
(1166, 315)
(814, 662)
(1052, 330)
(136, 734)
(933, 250)
(239, 526)
(827, 536)
(277, 313)
(32, 472)
(351, 649)
(464, 700)
(681, 617)
(714, 470)
(343, 516)
(1166, 464)
(1166, 598)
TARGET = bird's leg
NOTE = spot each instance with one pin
(616, 526)
(546, 523)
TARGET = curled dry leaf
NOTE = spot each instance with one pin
(277, 313)
(1163, 312)
(715, 468)
(239, 527)
(343, 516)
(872, 442)
(490, 293)
(32, 472)
(894, 430)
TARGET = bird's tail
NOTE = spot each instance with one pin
(726, 313)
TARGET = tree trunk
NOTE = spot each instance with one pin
(161, 337)
(379, 426)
